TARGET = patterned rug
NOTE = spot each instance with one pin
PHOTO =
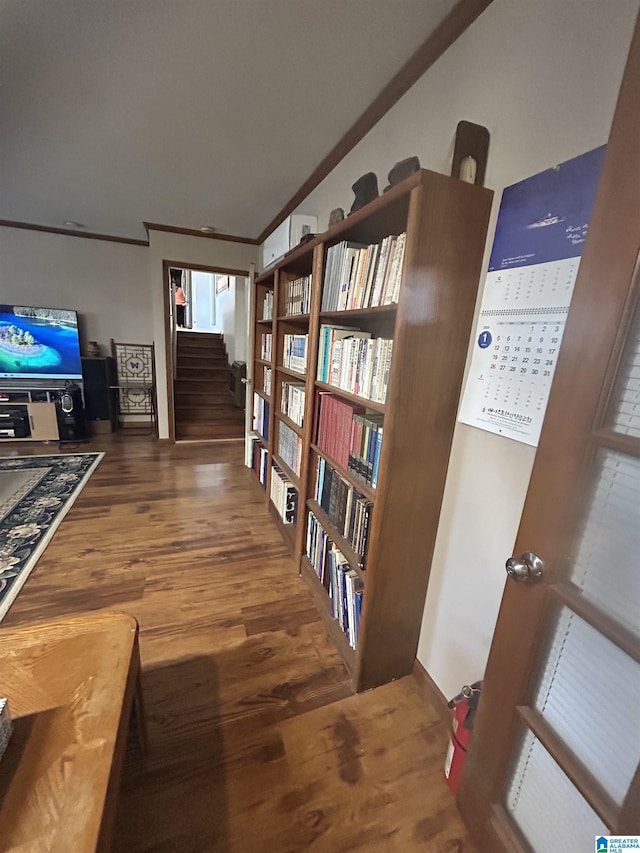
(36, 492)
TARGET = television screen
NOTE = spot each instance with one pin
(39, 343)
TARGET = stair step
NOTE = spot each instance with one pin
(208, 343)
(198, 386)
(198, 430)
(210, 405)
(218, 346)
(207, 360)
(197, 337)
(206, 371)
(203, 353)
(221, 417)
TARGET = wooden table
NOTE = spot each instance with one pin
(71, 685)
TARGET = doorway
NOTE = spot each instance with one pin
(205, 334)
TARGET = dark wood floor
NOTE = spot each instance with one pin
(256, 743)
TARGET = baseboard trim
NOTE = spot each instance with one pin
(432, 692)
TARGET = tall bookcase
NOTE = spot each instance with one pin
(445, 222)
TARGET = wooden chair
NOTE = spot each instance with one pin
(135, 389)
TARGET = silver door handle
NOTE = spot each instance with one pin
(528, 567)
(245, 381)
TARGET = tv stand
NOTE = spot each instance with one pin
(41, 410)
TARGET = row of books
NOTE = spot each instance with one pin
(347, 509)
(260, 461)
(298, 297)
(341, 582)
(267, 306)
(284, 496)
(261, 416)
(350, 436)
(354, 361)
(294, 355)
(266, 381)
(361, 276)
(267, 346)
(292, 402)
(290, 447)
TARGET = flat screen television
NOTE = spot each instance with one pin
(39, 343)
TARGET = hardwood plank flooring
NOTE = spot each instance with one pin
(255, 741)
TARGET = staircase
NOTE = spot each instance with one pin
(203, 403)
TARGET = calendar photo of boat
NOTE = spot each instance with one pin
(38, 343)
(545, 218)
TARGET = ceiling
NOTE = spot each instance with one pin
(189, 113)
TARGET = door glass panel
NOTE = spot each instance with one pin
(606, 565)
(546, 806)
(625, 408)
(589, 694)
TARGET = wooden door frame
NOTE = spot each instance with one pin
(604, 284)
(168, 337)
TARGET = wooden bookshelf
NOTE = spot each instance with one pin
(323, 603)
(356, 482)
(445, 222)
(291, 424)
(343, 544)
(263, 325)
(354, 398)
(292, 374)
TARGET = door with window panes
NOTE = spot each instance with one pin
(554, 760)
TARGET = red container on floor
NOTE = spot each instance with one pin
(464, 707)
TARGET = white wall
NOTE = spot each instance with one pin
(241, 332)
(184, 251)
(203, 302)
(226, 313)
(107, 283)
(543, 77)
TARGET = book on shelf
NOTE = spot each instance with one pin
(329, 337)
(293, 401)
(267, 306)
(290, 447)
(355, 362)
(260, 461)
(340, 581)
(298, 297)
(347, 509)
(261, 416)
(294, 356)
(266, 381)
(284, 495)
(267, 346)
(361, 276)
(349, 435)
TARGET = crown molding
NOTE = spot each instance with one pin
(87, 235)
(194, 232)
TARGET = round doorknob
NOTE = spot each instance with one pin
(527, 567)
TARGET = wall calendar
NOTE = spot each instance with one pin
(541, 229)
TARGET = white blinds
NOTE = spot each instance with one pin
(607, 567)
(625, 411)
(589, 694)
(548, 809)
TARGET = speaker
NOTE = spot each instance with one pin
(70, 414)
(98, 375)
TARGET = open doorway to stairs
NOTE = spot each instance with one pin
(206, 341)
